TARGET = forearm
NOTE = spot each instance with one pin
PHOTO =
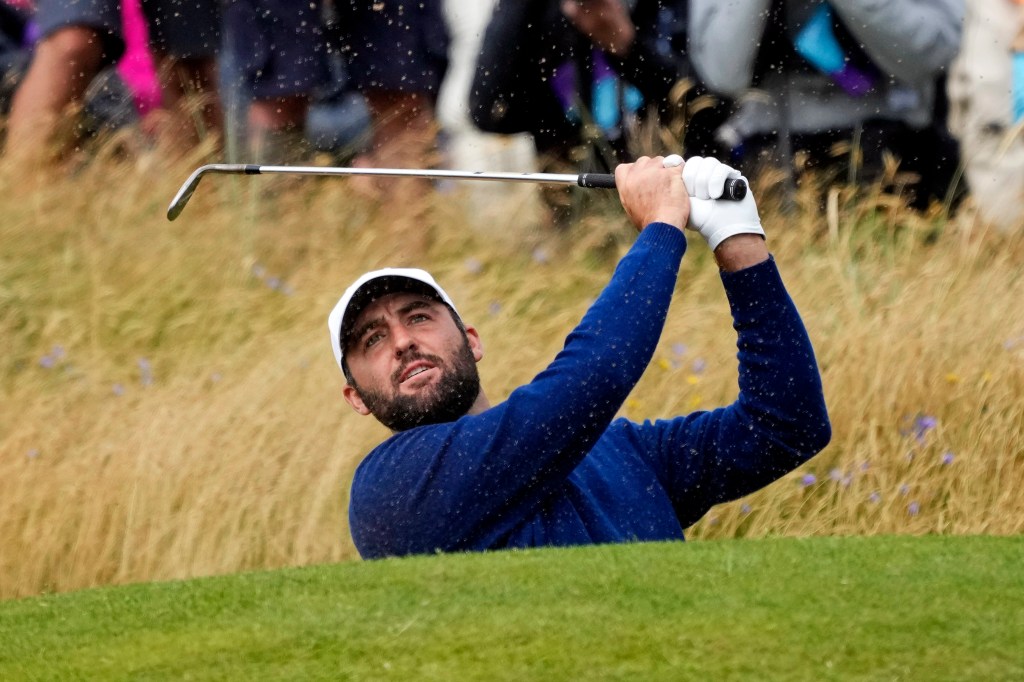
(912, 40)
(779, 419)
(780, 385)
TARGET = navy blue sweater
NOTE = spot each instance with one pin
(553, 466)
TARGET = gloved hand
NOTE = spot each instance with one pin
(716, 220)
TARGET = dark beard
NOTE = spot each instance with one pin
(450, 399)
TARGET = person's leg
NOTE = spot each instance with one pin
(61, 69)
(276, 128)
(79, 38)
(397, 61)
(404, 129)
(185, 39)
(404, 135)
(281, 52)
(188, 91)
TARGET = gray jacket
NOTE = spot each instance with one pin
(909, 41)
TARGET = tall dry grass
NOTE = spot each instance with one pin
(170, 405)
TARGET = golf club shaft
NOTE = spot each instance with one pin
(734, 190)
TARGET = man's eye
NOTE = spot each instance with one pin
(419, 317)
(372, 339)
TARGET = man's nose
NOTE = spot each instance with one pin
(402, 340)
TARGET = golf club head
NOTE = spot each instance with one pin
(184, 194)
(177, 204)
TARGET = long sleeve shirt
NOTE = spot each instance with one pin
(553, 466)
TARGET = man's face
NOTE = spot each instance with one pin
(410, 362)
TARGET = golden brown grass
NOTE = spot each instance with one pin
(170, 405)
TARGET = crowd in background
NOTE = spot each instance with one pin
(846, 87)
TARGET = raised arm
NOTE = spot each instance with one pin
(778, 421)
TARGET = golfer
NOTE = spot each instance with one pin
(552, 465)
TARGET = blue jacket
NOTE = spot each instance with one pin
(553, 466)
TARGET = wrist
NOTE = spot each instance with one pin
(668, 218)
(673, 209)
(741, 251)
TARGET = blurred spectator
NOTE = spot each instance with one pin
(395, 54)
(465, 146)
(14, 51)
(814, 76)
(551, 67)
(280, 49)
(137, 67)
(986, 91)
(79, 38)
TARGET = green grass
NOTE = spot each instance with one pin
(919, 608)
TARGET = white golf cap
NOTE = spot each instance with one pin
(374, 285)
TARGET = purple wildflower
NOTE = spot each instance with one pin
(118, 389)
(875, 497)
(913, 508)
(274, 283)
(922, 425)
(808, 480)
(33, 453)
(258, 270)
(494, 308)
(679, 348)
(947, 458)
(51, 359)
(744, 508)
(540, 256)
(473, 265)
(904, 489)
(699, 365)
(145, 372)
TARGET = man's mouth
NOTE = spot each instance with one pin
(414, 370)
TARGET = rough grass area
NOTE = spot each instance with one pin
(929, 608)
(170, 407)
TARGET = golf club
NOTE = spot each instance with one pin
(735, 189)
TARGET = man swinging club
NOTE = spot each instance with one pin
(551, 465)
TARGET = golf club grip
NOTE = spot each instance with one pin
(735, 188)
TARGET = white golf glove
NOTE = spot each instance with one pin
(716, 220)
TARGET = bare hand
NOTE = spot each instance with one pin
(651, 193)
(605, 22)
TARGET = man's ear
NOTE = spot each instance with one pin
(475, 344)
(353, 398)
